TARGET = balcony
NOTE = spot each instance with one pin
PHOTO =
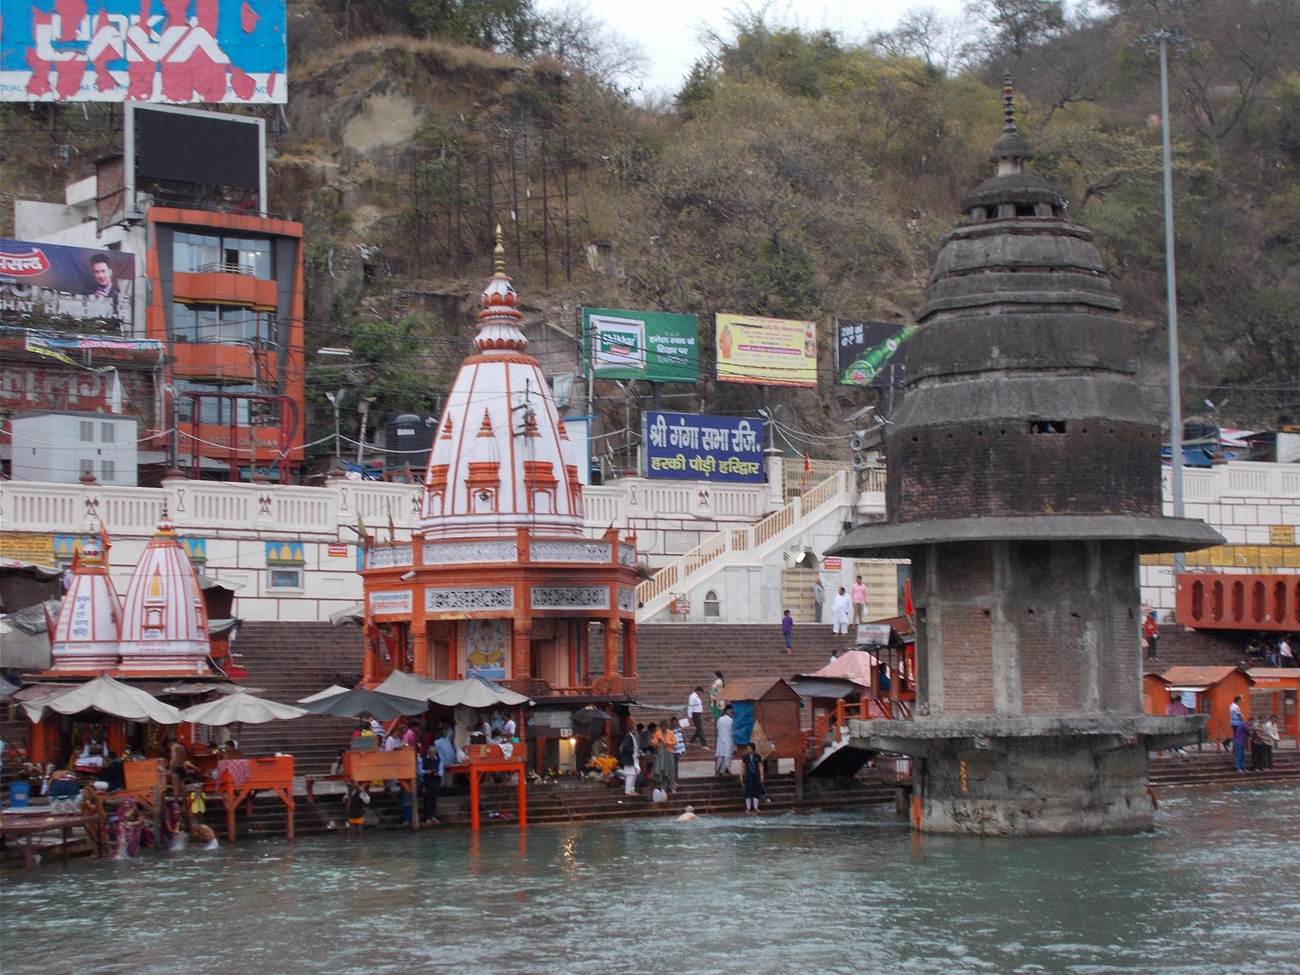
(225, 284)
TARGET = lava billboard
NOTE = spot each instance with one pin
(171, 51)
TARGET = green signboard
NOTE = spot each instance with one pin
(654, 345)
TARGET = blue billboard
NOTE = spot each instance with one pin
(44, 282)
(700, 447)
(169, 51)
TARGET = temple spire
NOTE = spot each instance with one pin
(499, 253)
(1011, 151)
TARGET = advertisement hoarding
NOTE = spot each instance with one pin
(766, 351)
(700, 447)
(49, 282)
(866, 352)
(177, 51)
(652, 345)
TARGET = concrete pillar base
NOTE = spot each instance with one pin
(1033, 787)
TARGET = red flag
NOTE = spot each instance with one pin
(908, 608)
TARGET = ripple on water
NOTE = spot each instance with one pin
(1204, 892)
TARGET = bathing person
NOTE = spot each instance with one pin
(628, 753)
(751, 779)
(688, 815)
(355, 802)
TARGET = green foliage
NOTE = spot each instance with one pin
(392, 361)
(497, 25)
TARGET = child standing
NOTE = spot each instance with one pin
(787, 631)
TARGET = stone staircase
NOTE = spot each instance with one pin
(567, 801)
(290, 661)
(1215, 767)
(1179, 647)
(750, 544)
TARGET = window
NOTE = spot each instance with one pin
(1047, 426)
(208, 253)
(220, 323)
(88, 466)
(212, 409)
(286, 578)
(107, 471)
(712, 605)
(107, 433)
(87, 431)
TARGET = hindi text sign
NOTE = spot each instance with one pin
(700, 447)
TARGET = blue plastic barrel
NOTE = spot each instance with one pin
(19, 793)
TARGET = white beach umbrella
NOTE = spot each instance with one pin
(240, 709)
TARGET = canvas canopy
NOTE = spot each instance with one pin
(321, 695)
(108, 696)
(241, 709)
(353, 704)
(472, 692)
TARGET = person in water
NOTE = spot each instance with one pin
(751, 779)
(173, 825)
(355, 802)
(203, 834)
(687, 815)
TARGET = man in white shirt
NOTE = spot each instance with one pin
(508, 728)
(819, 600)
(725, 744)
(841, 609)
(1234, 712)
(1285, 655)
(695, 711)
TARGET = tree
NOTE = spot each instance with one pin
(496, 25)
(1018, 24)
(922, 33)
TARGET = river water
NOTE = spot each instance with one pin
(1215, 888)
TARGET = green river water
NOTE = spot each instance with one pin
(1215, 888)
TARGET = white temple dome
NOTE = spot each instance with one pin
(164, 622)
(501, 460)
(86, 632)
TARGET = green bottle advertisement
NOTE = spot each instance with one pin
(871, 346)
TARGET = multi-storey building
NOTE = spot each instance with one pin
(215, 307)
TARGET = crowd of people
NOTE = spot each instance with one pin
(1254, 738)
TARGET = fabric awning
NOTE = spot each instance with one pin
(348, 614)
(241, 709)
(472, 692)
(204, 688)
(321, 695)
(835, 687)
(108, 696)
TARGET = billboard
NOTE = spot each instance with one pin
(700, 447)
(866, 352)
(49, 282)
(135, 50)
(766, 351)
(653, 345)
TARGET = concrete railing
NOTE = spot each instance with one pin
(1237, 479)
(747, 544)
(620, 502)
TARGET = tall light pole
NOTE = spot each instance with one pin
(1163, 38)
(336, 400)
(363, 407)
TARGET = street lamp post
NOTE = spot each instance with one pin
(336, 400)
(363, 407)
(1163, 38)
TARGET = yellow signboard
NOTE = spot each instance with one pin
(766, 351)
(26, 547)
(1281, 535)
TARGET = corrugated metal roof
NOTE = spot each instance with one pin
(1199, 675)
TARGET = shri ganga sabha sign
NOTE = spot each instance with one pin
(699, 447)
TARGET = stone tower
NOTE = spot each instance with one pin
(1024, 481)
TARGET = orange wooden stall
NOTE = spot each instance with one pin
(1280, 687)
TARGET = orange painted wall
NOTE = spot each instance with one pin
(206, 361)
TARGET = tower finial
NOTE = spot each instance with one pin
(1008, 104)
(500, 252)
